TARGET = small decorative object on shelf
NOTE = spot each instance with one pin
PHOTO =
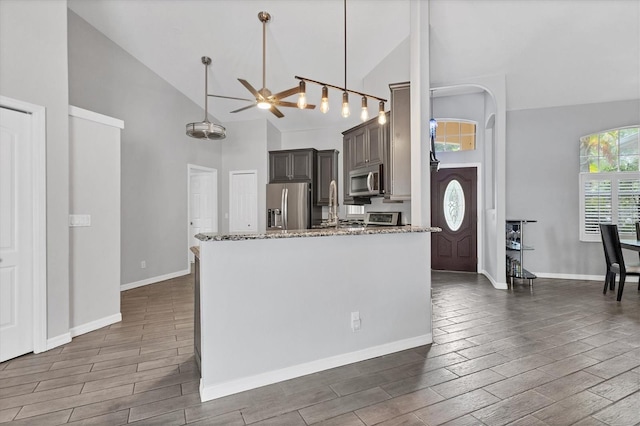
(515, 251)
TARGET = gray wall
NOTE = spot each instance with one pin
(94, 251)
(155, 150)
(542, 180)
(246, 149)
(33, 68)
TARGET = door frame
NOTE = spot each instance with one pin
(194, 169)
(37, 116)
(243, 172)
(479, 211)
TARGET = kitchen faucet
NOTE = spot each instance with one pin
(333, 204)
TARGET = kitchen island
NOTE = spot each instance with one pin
(283, 304)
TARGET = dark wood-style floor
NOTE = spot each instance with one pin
(558, 354)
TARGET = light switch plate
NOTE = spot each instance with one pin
(79, 220)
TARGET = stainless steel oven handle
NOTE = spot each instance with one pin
(370, 182)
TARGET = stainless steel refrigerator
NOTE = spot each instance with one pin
(291, 206)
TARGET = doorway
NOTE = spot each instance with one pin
(22, 229)
(202, 208)
(454, 208)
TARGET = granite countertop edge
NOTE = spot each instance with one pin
(323, 232)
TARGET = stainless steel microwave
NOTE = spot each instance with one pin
(366, 182)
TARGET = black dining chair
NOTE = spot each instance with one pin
(614, 258)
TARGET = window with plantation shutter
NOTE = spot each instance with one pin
(609, 198)
(609, 181)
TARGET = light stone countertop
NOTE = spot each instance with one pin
(321, 232)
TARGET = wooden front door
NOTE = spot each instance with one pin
(454, 209)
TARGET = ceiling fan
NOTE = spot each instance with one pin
(264, 98)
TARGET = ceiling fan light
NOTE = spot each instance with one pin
(324, 101)
(206, 130)
(264, 105)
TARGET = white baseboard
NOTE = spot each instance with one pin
(94, 325)
(494, 283)
(60, 340)
(154, 280)
(570, 276)
(208, 393)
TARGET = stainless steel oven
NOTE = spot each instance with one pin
(366, 182)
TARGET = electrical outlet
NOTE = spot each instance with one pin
(143, 264)
(355, 321)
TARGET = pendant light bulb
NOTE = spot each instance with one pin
(382, 117)
(345, 105)
(364, 114)
(324, 102)
(302, 96)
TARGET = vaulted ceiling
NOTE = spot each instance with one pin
(552, 52)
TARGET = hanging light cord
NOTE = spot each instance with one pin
(345, 45)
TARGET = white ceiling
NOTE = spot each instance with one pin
(553, 52)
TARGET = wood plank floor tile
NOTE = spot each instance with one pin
(17, 390)
(568, 365)
(614, 366)
(398, 406)
(84, 377)
(467, 383)
(124, 402)
(414, 383)
(174, 418)
(512, 409)
(572, 409)
(335, 407)
(349, 419)
(50, 419)
(115, 418)
(165, 373)
(467, 420)
(568, 385)
(477, 364)
(618, 387)
(38, 408)
(622, 413)
(8, 414)
(455, 407)
(521, 365)
(281, 405)
(158, 380)
(518, 384)
(230, 419)
(32, 398)
(406, 420)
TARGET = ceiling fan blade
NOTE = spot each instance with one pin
(242, 109)
(250, 88)
(276, 111)
(232, 97)
(286, 93)
(293, 105)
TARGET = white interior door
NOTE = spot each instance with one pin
(16, 235)
(243, 201)
(203, 204)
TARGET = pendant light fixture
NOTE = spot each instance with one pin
(345, 110)
(206, 129)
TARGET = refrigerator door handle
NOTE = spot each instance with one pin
(285, 207)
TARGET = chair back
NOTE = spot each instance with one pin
(611, 243)
(637, 230)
